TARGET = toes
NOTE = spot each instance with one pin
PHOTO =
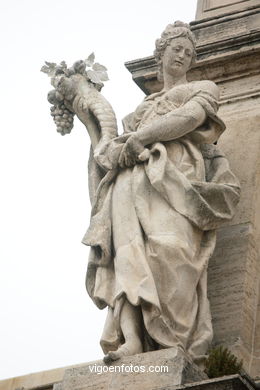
(107, 359)
(123, 351)
(114, 355)
(111, 357)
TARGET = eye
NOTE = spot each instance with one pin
(176, 48)
(188, 53)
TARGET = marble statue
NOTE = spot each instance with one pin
(158, 193)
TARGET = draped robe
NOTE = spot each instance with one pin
(153, 226)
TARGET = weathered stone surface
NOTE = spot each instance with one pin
(180, 370)
(214, 8)
(241, 143)
(42, 379)
(160, 272)
(232, 382)
(57, 386)
(229, 54)
(161, 190)
(226, 46)
(233, 290)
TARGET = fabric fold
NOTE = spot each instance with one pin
(152, 228)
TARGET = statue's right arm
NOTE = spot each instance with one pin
(173, 125)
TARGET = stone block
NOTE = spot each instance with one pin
(215, 8)
(135, 372)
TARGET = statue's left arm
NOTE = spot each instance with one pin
(173, 125)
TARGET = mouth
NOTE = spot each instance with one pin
(178, 62)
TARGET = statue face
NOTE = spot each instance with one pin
(177, 57)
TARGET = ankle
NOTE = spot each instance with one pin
(131, 337)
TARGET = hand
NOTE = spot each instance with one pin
(130, 152)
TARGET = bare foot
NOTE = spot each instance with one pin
(130, 348)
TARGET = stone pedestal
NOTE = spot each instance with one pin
(152, 370)
(231, 382)
(228, 47)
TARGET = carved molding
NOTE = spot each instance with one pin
(215, 8)
(228, 48)
(222, 69)
(210, 5)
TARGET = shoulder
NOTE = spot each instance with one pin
(206, 86)
(142, 107)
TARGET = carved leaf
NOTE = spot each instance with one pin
(93, 76)
(103, 76)
(63, 65)
(45, 69)
(49, 68)
(50, 64)
(90, 60)
(98, 67)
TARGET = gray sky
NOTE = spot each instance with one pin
(48, 320)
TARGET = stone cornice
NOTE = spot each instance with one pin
(221, 43)
(223, 66)
(224, 17)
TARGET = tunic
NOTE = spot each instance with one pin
(152, 228)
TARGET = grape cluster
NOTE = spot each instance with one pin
(63, 118)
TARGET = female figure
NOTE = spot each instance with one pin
(152, 232)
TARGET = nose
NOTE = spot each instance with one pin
(181, 53)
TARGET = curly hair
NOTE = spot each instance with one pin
(172, 31)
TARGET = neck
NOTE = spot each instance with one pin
(170, 81)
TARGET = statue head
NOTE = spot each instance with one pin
(173, 31)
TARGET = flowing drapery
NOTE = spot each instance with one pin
(152, 228)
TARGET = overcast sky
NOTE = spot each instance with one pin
(48, 320)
